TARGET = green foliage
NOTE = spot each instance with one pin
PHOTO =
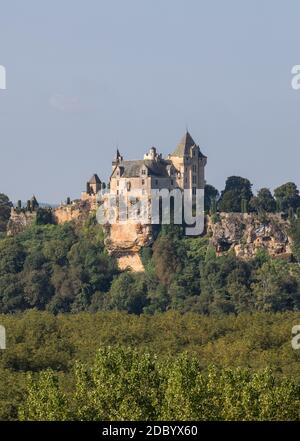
(47, 402)
(287, 196)
(211, 195)
(54, 267)
(276, 286)
(44, 216)
(127, 293)
(77, 385)
(5, 207)
(244, 206)
(123, 385)
(295, 235)
(236, 189)
(62, 268)
(291, 214)
(263, 202)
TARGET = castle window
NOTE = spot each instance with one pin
(117, 183)
(194, 179)
(194, 190)
(128, 186)
(143, 172)
(143, 181)
(172, 182)
(194, 168)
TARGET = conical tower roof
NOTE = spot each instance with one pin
(183, 148)
(95, 179)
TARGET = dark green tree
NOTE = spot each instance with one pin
(128, 293)
(287, 196)
(211, 196)
(263, 201)
(236, 189)
(5, 207)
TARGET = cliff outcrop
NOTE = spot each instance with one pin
(19, 221)
(124, 241)
(246, 233)
(78, 211)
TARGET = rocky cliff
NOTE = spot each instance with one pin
(243, 233)
(124, 241)
(19, 221)
(246, 233)
(77, 211)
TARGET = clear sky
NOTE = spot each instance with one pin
(85, 76)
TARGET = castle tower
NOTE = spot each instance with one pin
(190, 162)
(94, 184)
(34, 203)
(117, 160)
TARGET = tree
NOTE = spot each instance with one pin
(167, 258)
(5, 207)
(44, 216)
(287, 196)
(128, 293)
(295, 235)
(236, 189)
(125, 384)
(47, 402)
(264, 201)
(211, 195)
(276, 287)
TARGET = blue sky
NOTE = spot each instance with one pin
(86, 76)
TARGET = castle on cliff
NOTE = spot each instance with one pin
(183, 169)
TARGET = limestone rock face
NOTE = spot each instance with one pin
(124, 241)
(246, 233)
(76, 211)
(19, 221)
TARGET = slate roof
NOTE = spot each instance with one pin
(132, 169)
(95, 179)
(183, 148)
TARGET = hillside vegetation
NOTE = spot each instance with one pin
(43, 352)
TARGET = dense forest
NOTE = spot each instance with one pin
(61, 269)
(196, 336)
(66, 268)
(115, 365)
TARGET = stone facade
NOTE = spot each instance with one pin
(183, 169)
